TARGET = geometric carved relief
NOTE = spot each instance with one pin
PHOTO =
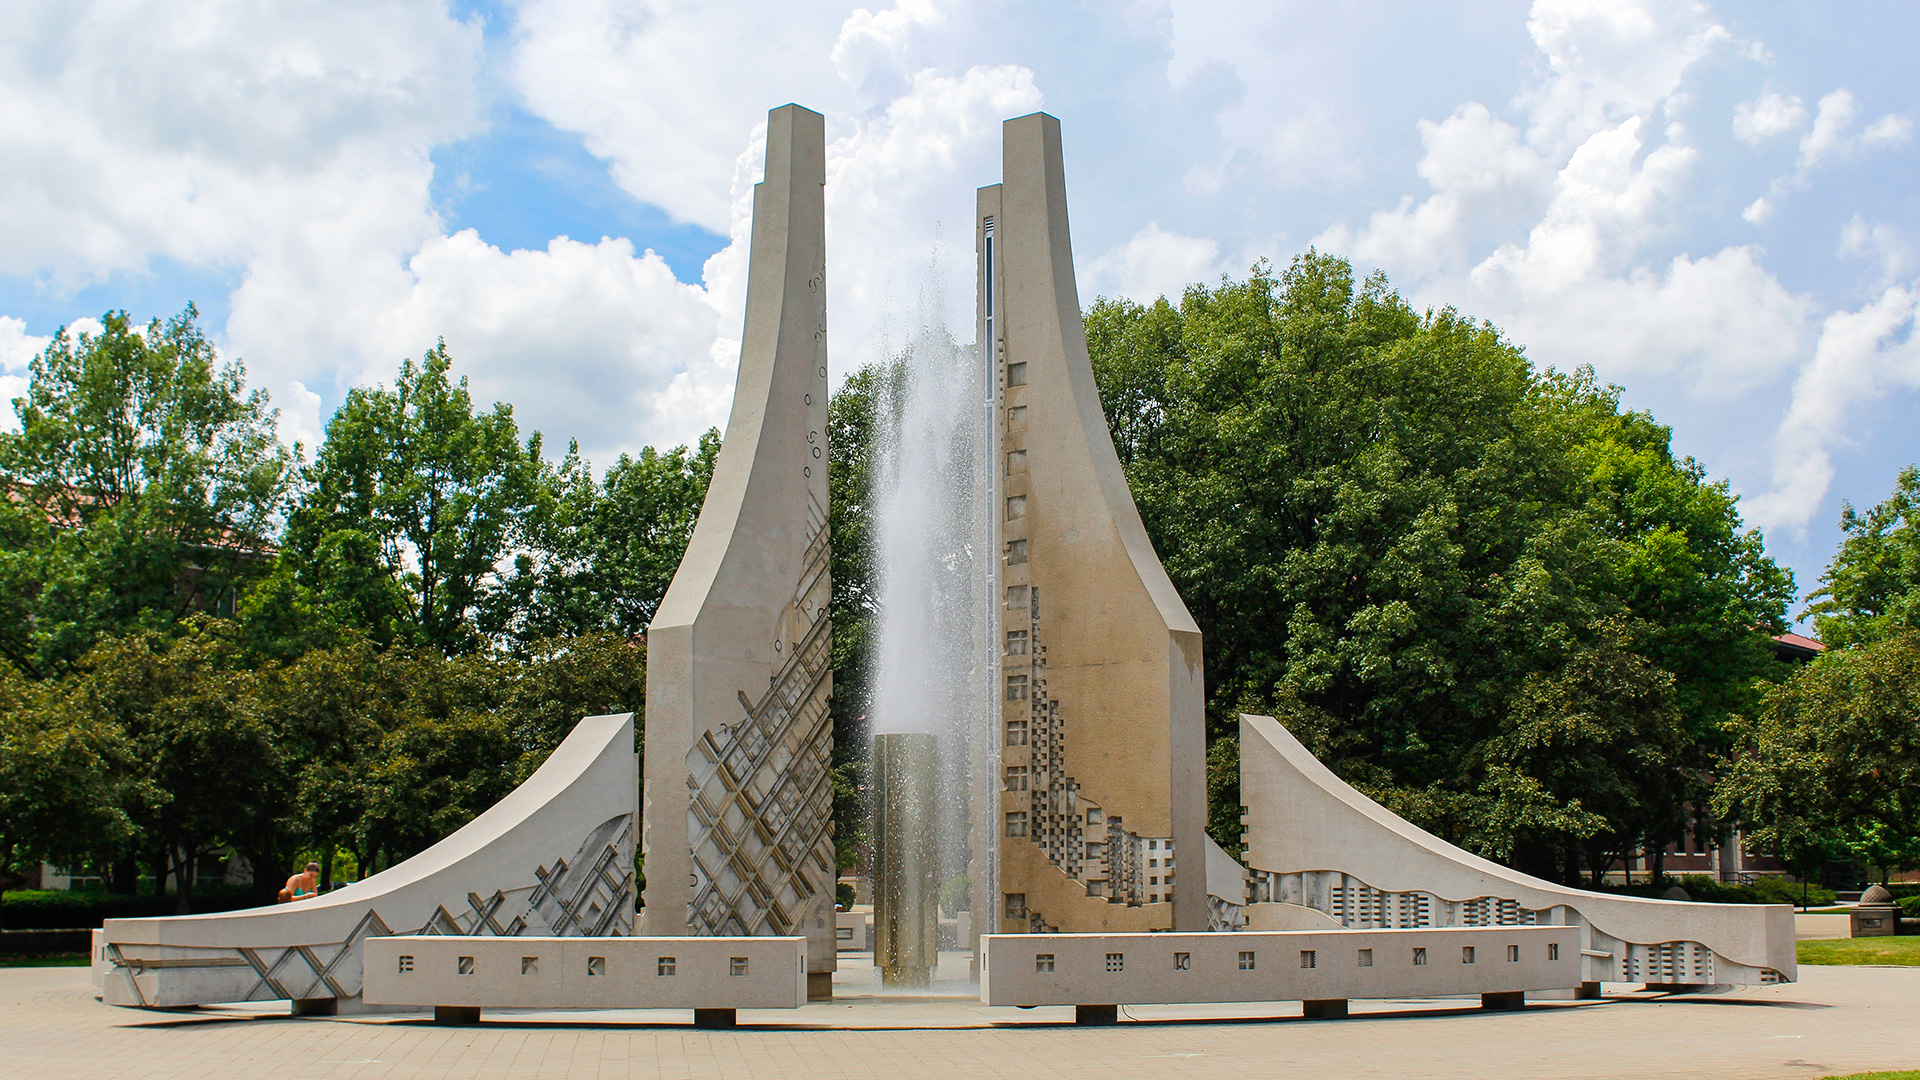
(590, 896)
(761, 812)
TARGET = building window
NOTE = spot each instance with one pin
(736, 965)
(1366, 958)
(1017, 823)
(1419, 958)
(1016, 596)
(1016, 778)
(666, 965)
(1016, 552)
(1513, 954)
(1016, 733)
(1042, 962)
(1096, 816)
(1183, 961)
(1016, 688)
(1466, 954)
(1116, 961)
(1017, 374)
(1016, 905)
(1016, 643)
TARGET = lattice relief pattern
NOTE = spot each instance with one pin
(1077, 834)
(761, 811)
(591, 896)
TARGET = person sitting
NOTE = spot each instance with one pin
(303, 885)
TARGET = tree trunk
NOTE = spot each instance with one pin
(183, 871)
(123, 876)
(1657, 866)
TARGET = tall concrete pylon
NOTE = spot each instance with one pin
(738, 803)
(1101, 751)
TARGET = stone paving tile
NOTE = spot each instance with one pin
(1836, 1020)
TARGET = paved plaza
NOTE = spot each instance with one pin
(1835, 1020)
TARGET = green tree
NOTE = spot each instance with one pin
(410, 506)
(190, 711)
(599, 556)
(1872, 587)
(64, 788)
(143, 482)
(1834, 756)
(1387, 523)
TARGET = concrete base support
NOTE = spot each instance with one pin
(1589, 991)
(1324, 1009)
(716, 1019)
(1504, 1001)
(819, 986)
(1096, 1014)
(456, 1015)
(316, 1006)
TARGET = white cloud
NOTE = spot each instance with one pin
(1152, 264)
(1758, 211)
(1606, 60)
(1860, 357)
(1888, 130)
(1768, 115)
(1830, 124)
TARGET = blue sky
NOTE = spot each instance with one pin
(1711, 204)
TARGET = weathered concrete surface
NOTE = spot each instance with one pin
(1102, 677)
(1834, 1021)
(738, 655)
(1313, 842)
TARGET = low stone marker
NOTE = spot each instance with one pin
(1096, 973)
(459, 976)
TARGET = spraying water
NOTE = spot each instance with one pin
(931, 672)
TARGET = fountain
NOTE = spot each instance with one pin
(932, 673)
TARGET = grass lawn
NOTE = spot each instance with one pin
(1871, 950)
(70, 960)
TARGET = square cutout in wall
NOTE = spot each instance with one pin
(1183, 961)
(406, 965)
(666, 965)
(529, 965)
(1016, 596)
(736, 965)
(1017, 416)
(1042, 963)
(1017, 374)
(1016, 459)
(1553, 950)
(1365, 958)
(1016, 507)
(463, 965)
(596, 965)
(1016, 733)
(1466, 954)
(1419, 958)
(1016, 905)
(1513, 954)
(1016, 553)
(1116, 961)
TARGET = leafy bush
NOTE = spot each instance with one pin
(1910, 906)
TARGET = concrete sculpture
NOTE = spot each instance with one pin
(737, 816)
(1101, 816)
(1320, 854)
(554, 858)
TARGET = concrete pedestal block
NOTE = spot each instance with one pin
(717, 1019)
(316, 1006)
(456, 1015)
(1096, 1014)
(1874, 920)
(1324, 1009)
(1504, 1001)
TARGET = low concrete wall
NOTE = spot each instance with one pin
(1299, 965)
(587, 973)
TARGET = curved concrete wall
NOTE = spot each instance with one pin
(555, 857)
(1314, 842)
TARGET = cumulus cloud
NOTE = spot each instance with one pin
(1602, 61)
(1830, 124)
(1151, 264)
(1861, 355)
(1766, 116)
